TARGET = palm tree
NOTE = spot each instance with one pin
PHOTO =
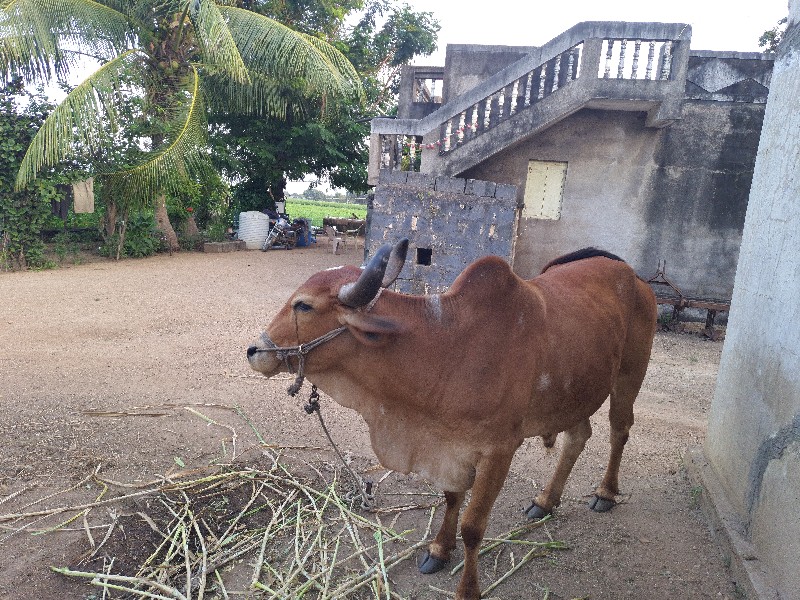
(138, 122)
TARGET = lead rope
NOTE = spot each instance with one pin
(360, 486)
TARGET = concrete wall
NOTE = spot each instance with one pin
(753, 440)
(406, 103)
(468, 65)
(677, 194)
(450, 222)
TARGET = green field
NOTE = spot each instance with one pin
(315, 211)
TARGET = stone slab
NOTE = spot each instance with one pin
(232, 246)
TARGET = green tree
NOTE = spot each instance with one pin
(771, 38)
(168, 62)
(22, 211)
(259, 156)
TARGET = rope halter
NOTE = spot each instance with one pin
(284, 353)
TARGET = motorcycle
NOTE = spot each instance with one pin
(282, 235)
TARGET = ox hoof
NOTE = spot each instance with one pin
(598, 504)
(535, 512)
(430, 564)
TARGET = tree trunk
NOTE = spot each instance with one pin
(164, 226)
(191, 227)
(110, 218)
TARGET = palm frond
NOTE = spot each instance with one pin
(76, 126)
(28, 47)
(262, 96)
(34, 34)
(217, 45)
(282, 54)
(165, 169)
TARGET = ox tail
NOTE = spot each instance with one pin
(589, 252)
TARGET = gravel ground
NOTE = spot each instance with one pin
(101, 362)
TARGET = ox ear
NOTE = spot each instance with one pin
(371, 330)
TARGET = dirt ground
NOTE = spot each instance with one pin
(108, 365)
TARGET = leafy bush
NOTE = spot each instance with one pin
(66, 243)
(22, 212)
(142, 238)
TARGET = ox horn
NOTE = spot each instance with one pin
(381, 271)
(361, 292)
(396, 261)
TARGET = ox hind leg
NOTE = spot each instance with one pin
(574, 441)
(621, 419)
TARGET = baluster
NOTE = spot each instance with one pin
(514, 93)
(528, 83)
(447, 133)
(501, 104)
(461, 122)
(542, 76)
(384, 153)
(556, 70)
(650, 54)
(621, 65)
(487, 113)
(666, 66)
(398, 152)
(570, 66)
(635, 66)
(473, 122)
(609, 52)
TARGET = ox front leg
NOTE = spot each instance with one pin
(490, 473)
(574, 442)
(439, 550)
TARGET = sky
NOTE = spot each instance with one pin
(732, 25)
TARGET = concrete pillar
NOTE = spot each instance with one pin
(753, 442)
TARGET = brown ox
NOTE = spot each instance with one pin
(451, 384)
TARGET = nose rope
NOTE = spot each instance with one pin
(283, 353)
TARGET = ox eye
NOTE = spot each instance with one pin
(302, 307)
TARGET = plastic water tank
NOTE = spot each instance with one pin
(253, 228)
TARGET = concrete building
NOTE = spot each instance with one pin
(619, 135)
(753, 443)
(616, 135)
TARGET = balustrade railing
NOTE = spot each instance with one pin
(613, 57)
(636, 59)
(512, 98)
(401, 152)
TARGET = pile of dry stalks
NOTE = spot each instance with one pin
(249, 531)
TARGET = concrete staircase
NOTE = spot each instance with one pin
(609, 65)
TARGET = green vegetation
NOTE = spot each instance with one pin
(139, 123)
(23, 211)
(315, 211)
(329, 142)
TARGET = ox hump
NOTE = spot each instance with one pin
(488, 272)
